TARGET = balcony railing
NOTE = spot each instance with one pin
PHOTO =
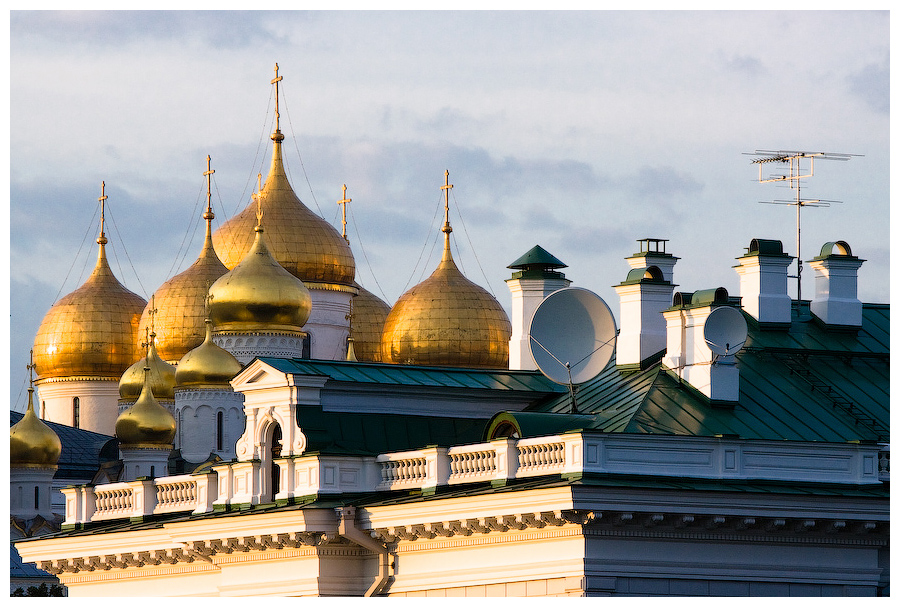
(498, 460)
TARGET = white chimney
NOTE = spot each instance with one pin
(689, 356)
(643, 296)
(836, 302)
(763, 273)
(535, 279)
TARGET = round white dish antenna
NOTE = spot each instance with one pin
(572, 336)
(725, 331)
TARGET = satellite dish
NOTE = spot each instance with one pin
(572, 336)
(725, 331)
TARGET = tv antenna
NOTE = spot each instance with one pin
(799, 166)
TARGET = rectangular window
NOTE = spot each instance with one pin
(76, 412)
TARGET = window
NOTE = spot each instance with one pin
(76, 412)
(275, 453)
(220, 430)
(37, 494)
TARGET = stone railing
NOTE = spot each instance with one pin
(501, 460)
(143, 497)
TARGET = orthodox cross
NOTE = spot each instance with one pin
(343, 202)
(208, 215)
(31, 367)
(446, 188)
(275, 81)
(102, 199)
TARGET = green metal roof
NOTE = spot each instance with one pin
(805, 383)
(537, 256)
(408, 375)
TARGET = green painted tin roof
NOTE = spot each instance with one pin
(408, 375)
(537, 256)
(795, 384)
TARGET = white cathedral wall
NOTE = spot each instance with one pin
(196, 415)
(328, 324)
(98, 403)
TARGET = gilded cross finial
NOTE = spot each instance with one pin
(31, 367)
(102, 239)
(259, 200)
(275, 81)
(446, 188)
(146, 344)
(208, 215)
(343, 202)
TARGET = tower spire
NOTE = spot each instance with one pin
(446, 229)
(277, 136)
(31, 367)
(343, 202)
(259, 211)
(101, 240)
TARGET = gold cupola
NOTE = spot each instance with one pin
(93, 331)
(162, 375)
(369, 314)
(146, 423)
(207, 365)
(31, 441)
(306, 245)
(258, 294)
(181, 300)
(447, 320)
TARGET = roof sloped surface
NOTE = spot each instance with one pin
(808, 383)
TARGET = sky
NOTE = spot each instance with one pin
(581, 132)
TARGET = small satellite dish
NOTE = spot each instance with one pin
(725, 331)
(572, 336)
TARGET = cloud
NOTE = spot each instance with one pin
(872, 85)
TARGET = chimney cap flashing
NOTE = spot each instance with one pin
(765, 247)
(843, 251)
(537, 258)
(650, 274)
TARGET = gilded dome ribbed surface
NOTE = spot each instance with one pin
(145, 423)
(447, 320)
(92, 331)
(303, 243)
(32, 442)
(162, 377)
(206, 366)
(259, 295)
(369, 314)
(181, 306)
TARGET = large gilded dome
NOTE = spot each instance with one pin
(259, 295)
(207, 365)
(369, 314)
(447, 320)
(302, 242)
(31, 441)
(146, 423)
(93, 331)
(181, 303)
(162, 376)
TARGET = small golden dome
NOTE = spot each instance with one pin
(259, 295)
(162, 376)
(91, 331)
(146, 422)
(447, 320)
(306, 245)
(207, 365)
(369, 314)
(31, 441)
(181, 304)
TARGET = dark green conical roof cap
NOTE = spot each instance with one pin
(536, 257)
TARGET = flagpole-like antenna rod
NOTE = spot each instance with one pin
(795, 174)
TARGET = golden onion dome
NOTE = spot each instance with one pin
(181, 303)
(259, 295)
(162, 376)
(306, 245)
(447, 320)
(369, 314)
(207, 365)
(31, 441)
(146, 423)
(92, 331)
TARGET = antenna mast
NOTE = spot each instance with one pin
(800, 166)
